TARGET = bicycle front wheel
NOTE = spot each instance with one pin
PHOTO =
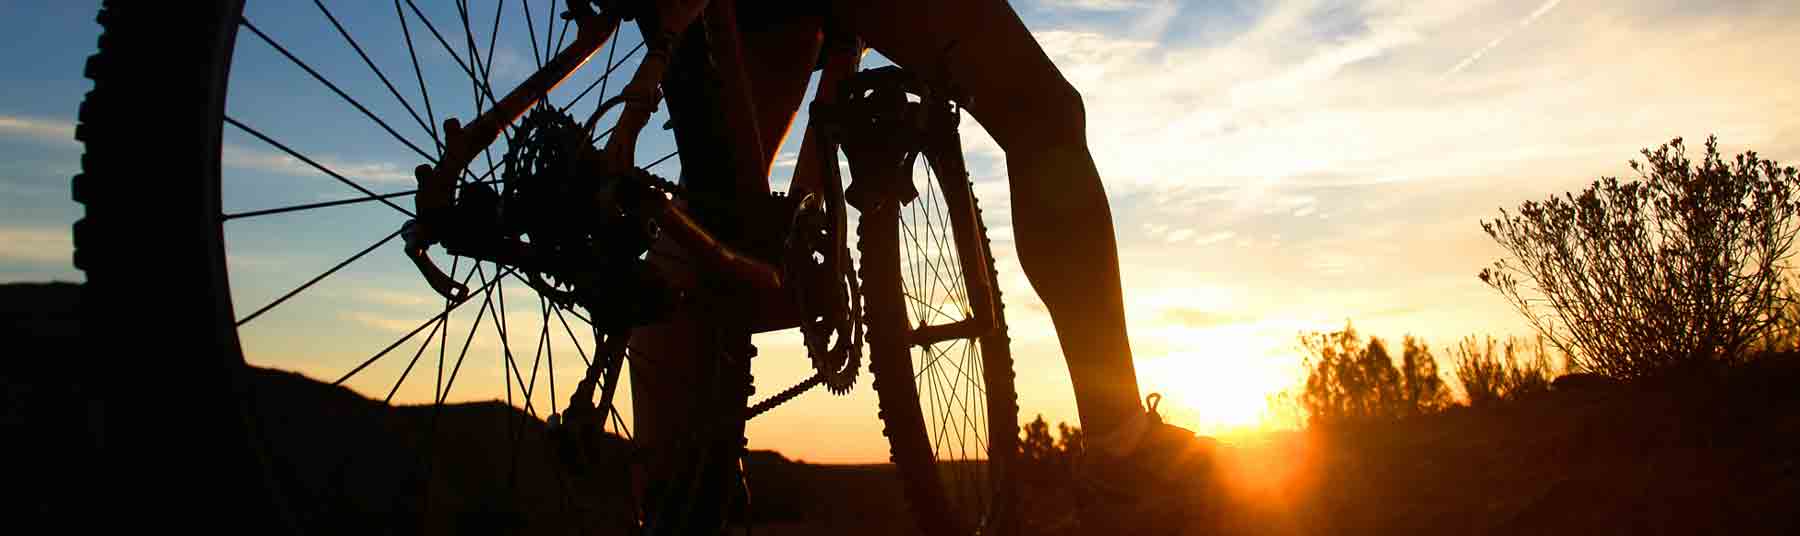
(948, 403)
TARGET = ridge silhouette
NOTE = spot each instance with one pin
(1676, 456)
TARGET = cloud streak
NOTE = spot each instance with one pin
(36, 245)
(1476, 56)
(1097, 5)
(254, 160)
(42, 130)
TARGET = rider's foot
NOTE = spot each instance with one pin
(1147, 476)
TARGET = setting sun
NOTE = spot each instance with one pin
(1220, 385)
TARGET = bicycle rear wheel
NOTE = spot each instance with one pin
(949, 407)
(194, 240)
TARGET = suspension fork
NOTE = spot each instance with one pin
(883, 132)
(943, 151)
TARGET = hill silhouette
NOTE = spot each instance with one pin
(45, 402)
(1714, 454)
(345, 463)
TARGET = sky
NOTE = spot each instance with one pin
(1274, 167)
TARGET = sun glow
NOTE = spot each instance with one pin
(1220, 384)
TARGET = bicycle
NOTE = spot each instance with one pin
(769, 261)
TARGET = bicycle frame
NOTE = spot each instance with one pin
(465, 142)
(749, 169)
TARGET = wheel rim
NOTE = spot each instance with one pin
(950, 377)
(289, 192)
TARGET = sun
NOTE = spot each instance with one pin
(1220, 386)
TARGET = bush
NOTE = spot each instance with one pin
(1679, 268)
(1425, 391)
(1491, 372)
(1349, 380)
(1045, 459)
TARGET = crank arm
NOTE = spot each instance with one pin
(687, 232)
(463, 142)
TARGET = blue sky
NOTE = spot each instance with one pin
(1274, 167)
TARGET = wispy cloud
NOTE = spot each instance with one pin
(1475, 56)
(1214, 238)
(379, 322)
(39, 129)
(1098, 5)
(36, 245)
(1192, 317)
(258, 160)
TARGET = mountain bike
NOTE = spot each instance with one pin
(525, 194)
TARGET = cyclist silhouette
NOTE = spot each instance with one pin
(1062, 223)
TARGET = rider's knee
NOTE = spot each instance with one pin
(1059, 116)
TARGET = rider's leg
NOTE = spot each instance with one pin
(1062, 223)
(780, 55)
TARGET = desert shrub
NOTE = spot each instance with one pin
(1424, 386)
(1783, 335)
(1491, 371)
(1683, 266)
(1048, 459)
(1349, 380)
(1048, 498)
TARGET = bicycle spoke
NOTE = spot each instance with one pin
(958, 286)
(245, 22)
(389, 399)
(550, 353)
(473, 329)
(601, 82)
(485, 90)
(928, 306)
(921, 261)
(968, 397)
(550, 22)
(310, 206)
(946, 397)
(486, 68)
(493, 37)
(946, 245)
(390, 347)
(321, 167)
(961, 447)
(437, 388)
(537, 356)
(428, 127)
(660, 160)
(563, 34)
(309, 283)
(950, 385)
(577, 342)
(531, 28)
(333, 203)
(411, 52)
(508, 364)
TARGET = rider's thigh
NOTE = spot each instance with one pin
(981, 46)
